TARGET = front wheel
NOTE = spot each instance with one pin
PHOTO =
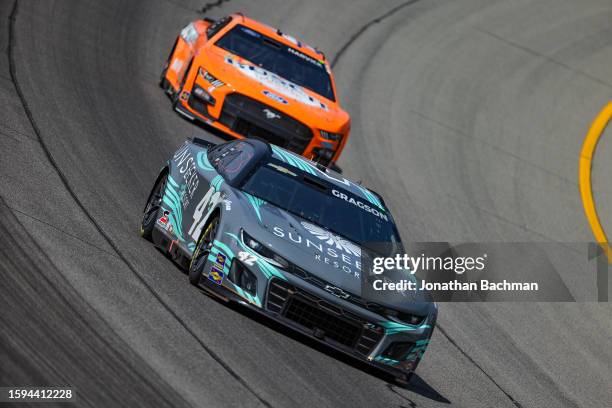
(200, 254)
(152, 208)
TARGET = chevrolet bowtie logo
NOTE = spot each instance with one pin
(270, 114)
(337, 292)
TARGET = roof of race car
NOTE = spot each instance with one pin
(330, 176)
(284, 38)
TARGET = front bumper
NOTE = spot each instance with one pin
(242, 117)
(343, 326)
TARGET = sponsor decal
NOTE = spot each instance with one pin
(336, 291)
(360, 204)
(332, 239)
(228, 205)
(271, 114)
(216, 274)
(163, 220)
(304, 56)
(216, 83)
(329, 248)
(276, 83)
(282, 169)
(275, 97)
(250, 32)
(221, 260)
(186, 164)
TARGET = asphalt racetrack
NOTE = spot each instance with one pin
(468, 116)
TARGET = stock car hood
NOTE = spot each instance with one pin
(274, 91)
(327, 256)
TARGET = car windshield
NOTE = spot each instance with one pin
(326, 205)
(279, 59)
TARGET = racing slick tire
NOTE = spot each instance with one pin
(151, 210)
(200, 254)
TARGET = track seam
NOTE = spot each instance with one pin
(28, 112)
(365, 27)
(53, 283)
(61, 231)
(482, 370)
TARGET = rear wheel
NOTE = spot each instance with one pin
(200, 254)
(151, 210)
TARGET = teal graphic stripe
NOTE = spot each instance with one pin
(171, 199)
(293, 160)
(171, 180)
(256, 202)
(386, 360)
(393, 327)
(417, 350)
(177, 211)
(371, 197)
(228, 251)
(252, 299)
(203, 163)
(216, 182)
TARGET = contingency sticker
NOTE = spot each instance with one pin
(216, 271)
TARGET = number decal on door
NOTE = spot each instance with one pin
(210, 199)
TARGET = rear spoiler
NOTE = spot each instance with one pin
(202, 142)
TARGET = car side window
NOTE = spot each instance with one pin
(217, 26)
(232, 159)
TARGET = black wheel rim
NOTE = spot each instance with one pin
(204, 244)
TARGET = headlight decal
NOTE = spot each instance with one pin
(211, 79)
(268, 270)
(331, 136)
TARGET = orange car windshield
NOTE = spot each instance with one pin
(280, 59)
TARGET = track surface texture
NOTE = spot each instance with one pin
(468, 116)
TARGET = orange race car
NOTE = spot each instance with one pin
(250, 80)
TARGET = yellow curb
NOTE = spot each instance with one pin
(584, 177)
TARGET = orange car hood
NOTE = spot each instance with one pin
(267, 87)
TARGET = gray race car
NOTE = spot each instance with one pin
(259, 225)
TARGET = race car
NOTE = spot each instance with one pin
(259, 225)
(252, 81)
